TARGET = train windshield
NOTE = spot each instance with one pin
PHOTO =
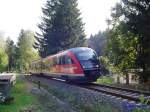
(86, 55)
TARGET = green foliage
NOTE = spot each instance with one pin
(2, 41)
(104, 61)
(143, 101)
(122, 47)
(105, 65)
(17, 57)
(61, 27)
(130, 21)
(137, 16)
(98, 42)
(3, 60)
(105, 80)
(122, 43)
(2, 98)
(22, 98)
(11, 52)
(141, 110)
(25, 52)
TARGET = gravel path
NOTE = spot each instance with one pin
(51, 102)
(76, 98)
(47, 102)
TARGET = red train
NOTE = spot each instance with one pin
(79, 64)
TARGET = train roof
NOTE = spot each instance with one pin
(74, 50)
(79, 49)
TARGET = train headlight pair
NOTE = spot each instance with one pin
(89, 66)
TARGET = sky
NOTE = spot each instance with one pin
(26, 14)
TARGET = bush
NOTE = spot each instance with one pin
(2, 98)
(105, 80)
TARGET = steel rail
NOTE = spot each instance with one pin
(123, 96)
(97, 88)
(124, 89)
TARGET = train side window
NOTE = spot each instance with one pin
(50, 63)
(57, 60)
(60, 60)
(54, 61)
(63, 60)
(68, 60)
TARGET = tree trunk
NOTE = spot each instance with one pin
(127, 78)
(142, 76)
(118, 79)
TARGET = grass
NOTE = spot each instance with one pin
(105, 80)
(22, 98)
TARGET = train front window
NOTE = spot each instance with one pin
(86, 55)
(65, 60)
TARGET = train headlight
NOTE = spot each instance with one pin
(97, 66)
(87, 66)
(84, 67)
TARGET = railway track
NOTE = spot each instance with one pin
(123, 93)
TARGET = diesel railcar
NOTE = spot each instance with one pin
(79, 64)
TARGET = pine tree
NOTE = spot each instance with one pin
(42, 40)
(61, 27)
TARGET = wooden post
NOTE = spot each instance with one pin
(127, 78)
(118, 79)
(39, 84)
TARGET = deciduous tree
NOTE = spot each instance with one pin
(3, 60)
(25, 50)
(137, 17)
(11, 52)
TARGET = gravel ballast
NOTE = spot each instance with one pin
(78, 99)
